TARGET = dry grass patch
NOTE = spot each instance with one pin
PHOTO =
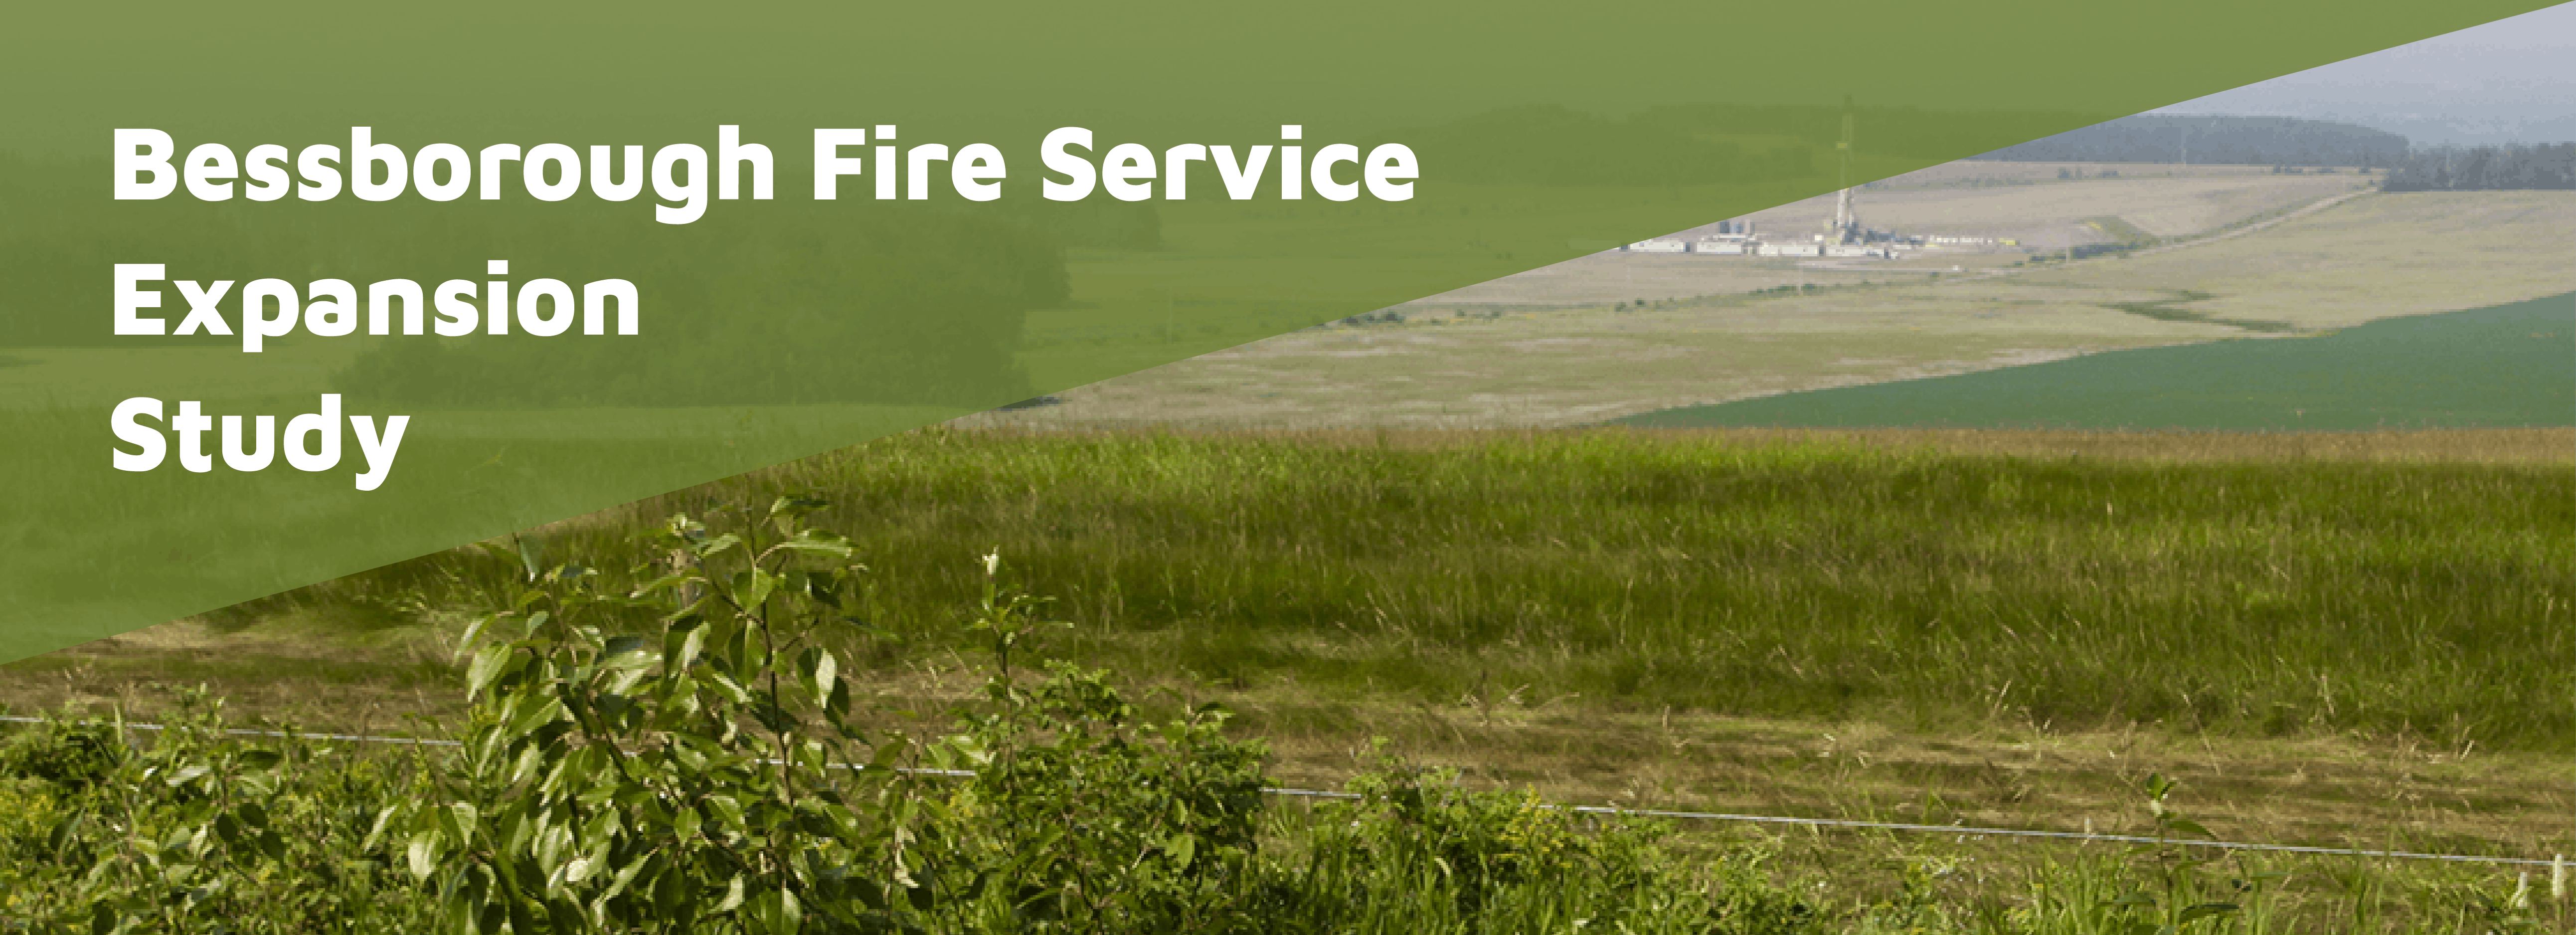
(1576, 367)
(2374, 257)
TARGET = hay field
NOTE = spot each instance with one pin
(2370, 258)
(1476, 359)
(1585, 366)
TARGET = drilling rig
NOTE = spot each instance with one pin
(1845, 226)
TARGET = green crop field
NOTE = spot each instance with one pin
(2507, 366)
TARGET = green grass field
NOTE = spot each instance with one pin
(1809, 580)
(1549, 607)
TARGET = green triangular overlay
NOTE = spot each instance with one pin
(773, 329)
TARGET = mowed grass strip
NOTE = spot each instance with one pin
(1624, 571)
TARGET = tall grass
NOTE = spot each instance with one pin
(1805, 579)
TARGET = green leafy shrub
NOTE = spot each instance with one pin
(614, 781)
(1418, 852)
(205, 831)
(64, 751)
(700, 778)
(1081, 816)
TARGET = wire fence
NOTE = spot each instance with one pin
(1850, 823)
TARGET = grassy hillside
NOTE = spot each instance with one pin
(2354, 640)
(1641, 572)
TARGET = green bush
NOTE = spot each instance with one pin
(1419, 852)
(64, 752)
(204, 831)
(1082, 817)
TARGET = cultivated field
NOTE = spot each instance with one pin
(2502, 366)
(1544, 349)
(1579, 366)
(2374, 257)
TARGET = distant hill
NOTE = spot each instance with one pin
(1907, 132)
(1698, 143)
(2215, 141)
(2460, 91)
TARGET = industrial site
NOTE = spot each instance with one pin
(1844, 236)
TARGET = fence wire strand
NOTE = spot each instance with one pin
(1851, 823)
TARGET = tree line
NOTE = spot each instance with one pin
(2215, 141)
(2482, 168)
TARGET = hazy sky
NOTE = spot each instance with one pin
(2513, 80)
